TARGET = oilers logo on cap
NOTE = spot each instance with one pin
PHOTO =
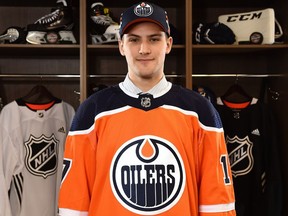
(144, 12)
(147, 175)
(143, 9)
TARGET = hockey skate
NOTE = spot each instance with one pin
(13, 35)
(53, 28)
(102, 27)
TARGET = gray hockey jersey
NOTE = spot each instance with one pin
(4, 185)
(33, 138)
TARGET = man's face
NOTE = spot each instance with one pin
(145, 46)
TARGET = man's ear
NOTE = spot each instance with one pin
(120, 45)
(169, 45)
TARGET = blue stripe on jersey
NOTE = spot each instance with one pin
(113, 98)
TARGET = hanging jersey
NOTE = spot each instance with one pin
(4, 199)
(4, 171)
(253, 155)
(37, 134)
(142, 155)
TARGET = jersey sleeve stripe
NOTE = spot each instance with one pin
(217, 208)
(207, 128)
(68, 212)
(192, 113)
(106, 113)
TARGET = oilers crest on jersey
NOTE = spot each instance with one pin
(144, 168)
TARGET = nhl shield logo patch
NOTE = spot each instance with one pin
(240, 155)
(146, 102)
(41, 155)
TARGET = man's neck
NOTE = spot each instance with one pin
(145, 84)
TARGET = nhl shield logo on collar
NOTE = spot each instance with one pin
(146, 100)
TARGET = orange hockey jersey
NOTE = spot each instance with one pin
(142, 155)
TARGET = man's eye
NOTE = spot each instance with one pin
(154, 39)
(133, 39)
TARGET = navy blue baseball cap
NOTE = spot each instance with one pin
(144, 12)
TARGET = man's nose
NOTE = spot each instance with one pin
(144, 48)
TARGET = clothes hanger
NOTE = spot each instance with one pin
(39, 94)
(235, 93)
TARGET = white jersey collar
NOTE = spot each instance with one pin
(158, 90)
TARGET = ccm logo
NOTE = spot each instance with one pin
(244, 17)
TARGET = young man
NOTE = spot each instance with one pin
(146, 146)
